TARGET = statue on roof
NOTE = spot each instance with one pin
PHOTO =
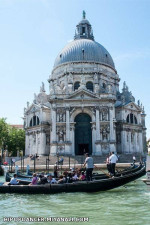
(84, 14)
(42, 88)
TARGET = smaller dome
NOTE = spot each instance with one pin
(84, 21)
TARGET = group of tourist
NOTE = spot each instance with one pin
(73, 175)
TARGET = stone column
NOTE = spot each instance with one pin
(93, 137)
(97, 125)
(135, 142)
(72, 139)
(123, 141)
(112, 133)
(53, 133)
(42, 144)
(129, 142)
(67, 125)
(111, 124)
(140, 142)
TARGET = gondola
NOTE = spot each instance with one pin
(79, 186)
(26, 179)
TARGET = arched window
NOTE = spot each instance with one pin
(34, 121)
(131, 119)
(135, 120)
(31, 123)
(38, 120)
(89, 86)
(128, 119)
(76, 85)
(104, 86)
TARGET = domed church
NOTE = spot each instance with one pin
(84, 110)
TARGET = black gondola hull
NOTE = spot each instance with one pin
(80, 186)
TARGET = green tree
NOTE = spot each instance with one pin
(16, 140)
(11, 137)
(4, 132)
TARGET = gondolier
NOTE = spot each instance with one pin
(89, 167)
(113, 159)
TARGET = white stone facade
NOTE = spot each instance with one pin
(83, 87)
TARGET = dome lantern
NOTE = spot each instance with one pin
(84, 29)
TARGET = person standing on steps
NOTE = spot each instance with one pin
(89, 167)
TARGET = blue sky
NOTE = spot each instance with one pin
(32, 32)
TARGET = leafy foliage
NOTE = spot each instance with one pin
(11, 137)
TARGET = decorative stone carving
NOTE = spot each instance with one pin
(109, 88)
(42, 88)
(51, 87)
(96, 78)
(105, 147)
(61, 115)
(104, 114)
(105, 131)
(70, 78)
(60, 133)
(82, 84)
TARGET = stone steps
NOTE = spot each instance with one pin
(41, 160)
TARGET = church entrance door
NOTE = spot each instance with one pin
(83, 134)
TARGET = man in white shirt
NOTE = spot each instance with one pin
(89, 167)
(113, 159)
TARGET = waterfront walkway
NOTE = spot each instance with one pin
(44, 163)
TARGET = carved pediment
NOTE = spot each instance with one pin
(82, 94)
(33, 108)
(132, 106)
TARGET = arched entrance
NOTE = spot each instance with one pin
(83, 134)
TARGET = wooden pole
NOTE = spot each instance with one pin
(69, 162)
(34, 163)
(23, 163)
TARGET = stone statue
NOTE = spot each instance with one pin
(61, 117)
(61, 135)
(96, 78)
(35, 98)
(51, 88)
(42, 88)
(70, 78)
(104, 115)
(109, 88)
(25, 110)
(82, 84)
(84, 14)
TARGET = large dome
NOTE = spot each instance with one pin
(84, 50)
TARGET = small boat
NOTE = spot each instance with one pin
(79, 186)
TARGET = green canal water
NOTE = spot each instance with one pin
(121, 206)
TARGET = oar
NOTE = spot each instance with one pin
(103, 171)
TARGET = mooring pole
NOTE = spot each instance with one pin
(69, 162)
(23, 163)
(11, 165)
(48, 163)
(34, 163)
